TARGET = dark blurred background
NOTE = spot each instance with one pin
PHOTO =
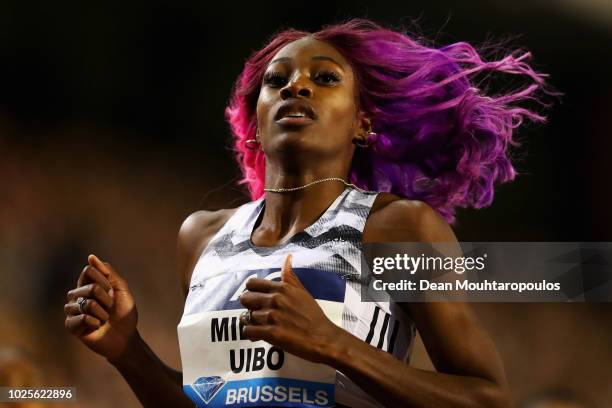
(112, 132)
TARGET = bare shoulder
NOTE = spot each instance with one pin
(194, 235)
(397, 219)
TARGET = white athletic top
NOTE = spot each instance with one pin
(326, 257)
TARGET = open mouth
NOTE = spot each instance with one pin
(295, 113)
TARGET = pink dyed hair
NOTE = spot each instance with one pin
(440, 138)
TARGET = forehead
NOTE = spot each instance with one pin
(304, 49)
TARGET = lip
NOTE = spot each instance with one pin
(295, 106)
(295, 121)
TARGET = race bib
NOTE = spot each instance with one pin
(221, 368)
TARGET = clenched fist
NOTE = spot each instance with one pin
(106, 319)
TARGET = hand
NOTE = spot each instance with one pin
(286, 315)
(109, 324)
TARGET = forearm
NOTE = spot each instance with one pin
(153, 382)
(395, 383)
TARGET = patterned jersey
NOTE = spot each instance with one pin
(331, 245)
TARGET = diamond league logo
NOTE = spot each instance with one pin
(207, 387)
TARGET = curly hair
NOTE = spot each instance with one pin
(440, 138)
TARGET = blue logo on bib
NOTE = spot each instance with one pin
(207, 387)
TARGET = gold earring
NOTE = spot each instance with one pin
(253, 144)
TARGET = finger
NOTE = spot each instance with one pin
(254, 300)
(72, 309)
(91, 274)
(262, 285)
(92, 290)
(288, 275)
(102, 266)
(90, 306)
(256, 332)
(266, 317)
(80, 324)
(115, 280)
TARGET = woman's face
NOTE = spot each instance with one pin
(307, 101)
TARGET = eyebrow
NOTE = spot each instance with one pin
(316, 58)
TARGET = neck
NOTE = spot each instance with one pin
(288, 213)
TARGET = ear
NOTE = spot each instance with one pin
(363, 125)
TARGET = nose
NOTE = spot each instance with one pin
(296, 87)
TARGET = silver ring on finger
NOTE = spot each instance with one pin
(82, 302)
(246, 318)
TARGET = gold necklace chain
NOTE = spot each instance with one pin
(284, 190)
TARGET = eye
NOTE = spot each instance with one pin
(274, 78)
(328, 77)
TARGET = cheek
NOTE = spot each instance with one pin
(340, 114)
(264, 106)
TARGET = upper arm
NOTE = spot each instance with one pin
(454, 339)
(194, 235)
